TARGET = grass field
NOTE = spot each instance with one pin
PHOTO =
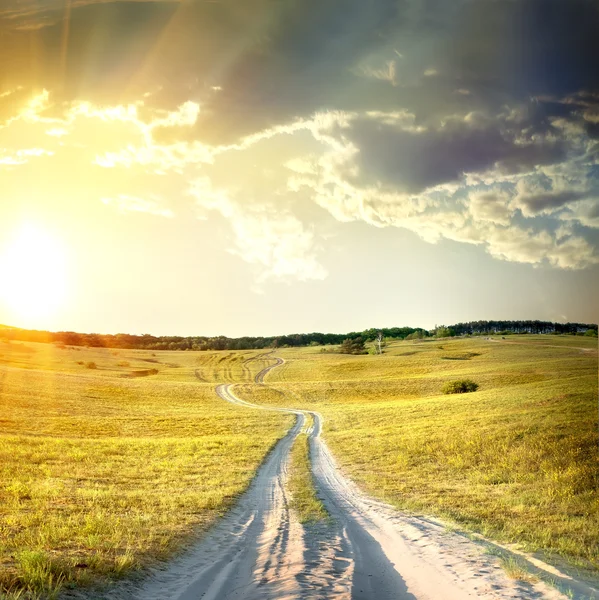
(112, 459)
(516, 460)
(105, 468)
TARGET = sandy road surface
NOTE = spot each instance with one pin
(367, 550)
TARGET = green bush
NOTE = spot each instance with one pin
(461, 386)
(353, 346)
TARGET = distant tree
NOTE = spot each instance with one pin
(380, 341)
(352, 346)
(442, 332)
(415, 335)
(591, 332)
(149, 342)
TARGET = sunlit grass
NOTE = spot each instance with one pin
(103, 470)
(515, 570)
(101, 474)
(516, 460)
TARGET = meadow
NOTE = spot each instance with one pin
(516, 460)
(111, 460)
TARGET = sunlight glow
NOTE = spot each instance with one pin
(33, 268)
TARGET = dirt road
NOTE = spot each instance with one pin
(367, 550)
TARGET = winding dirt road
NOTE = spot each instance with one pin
(366, 551)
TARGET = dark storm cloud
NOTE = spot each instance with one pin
(537, 203)
(276, 60)
(412, 161)
(528, 46)
(272, 58)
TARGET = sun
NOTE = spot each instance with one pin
(33, 274)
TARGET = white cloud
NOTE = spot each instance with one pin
(125, 203)
(585, 212)
(479, 217)
(335, 175)
(274, 241)
(21, 157)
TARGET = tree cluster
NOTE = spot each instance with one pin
(352, 346)
(150, 342)
(502, 327)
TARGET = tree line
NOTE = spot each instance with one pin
(510, 327)
(151, 342)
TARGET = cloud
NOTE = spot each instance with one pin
(585, 213)
(534, 204)
(461, 209)
(21, 157)
(472, 121)
(412, 159)
(491, 205)
(527, 246)
(551, 190)
(387, 72)
(152, 206)
(276, 242)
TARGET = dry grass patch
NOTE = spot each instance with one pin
(101, 475)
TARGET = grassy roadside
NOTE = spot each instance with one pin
(517, 460)
(304, 500)
(102, 473)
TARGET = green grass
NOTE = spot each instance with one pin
(304, 500)
(516, 460)
(515, 570)
(101, 474)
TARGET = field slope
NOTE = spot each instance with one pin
(516, 460)
(110, 460)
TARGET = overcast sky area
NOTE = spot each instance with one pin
(258, 167)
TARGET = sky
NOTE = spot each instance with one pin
(261, 167)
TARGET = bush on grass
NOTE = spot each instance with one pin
(461, 386)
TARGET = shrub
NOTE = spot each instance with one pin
(123, 363)
(91, 365)
(461, 386)
(591, 333)
(353, 346)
